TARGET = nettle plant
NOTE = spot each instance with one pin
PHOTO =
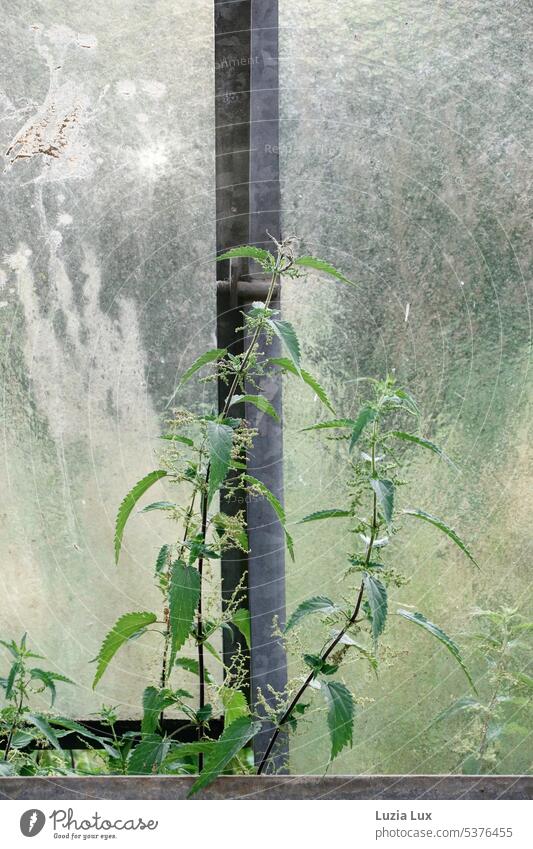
(207, 454)
(372, 444)
(493, 724)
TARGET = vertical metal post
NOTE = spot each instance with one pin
(248, 210)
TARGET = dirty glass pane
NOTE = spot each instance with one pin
(107, 232)
(403, 160)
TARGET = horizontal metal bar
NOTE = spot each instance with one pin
(391, 787)
(249, 288)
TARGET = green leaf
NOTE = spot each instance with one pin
(384, 490)
(162, 558)
(220, 439)
(258, 401)
(423, 443)
(235, 705)
(44, 727)
(333, 513)
(159, 505)
(286, 332)
(318, 665)
(129, 503)
(277, 508)
(72, 725)
(241, 620)
(288, 365)
(154, 701)
(203, 360)
(15, 668)
(461, 705)
(6, 768)
(128, 626)
(147, 756)
(366, 416)
(321, 265)
(442, 526)
(435, 631)
(251, 252)
(229, 744)
(184, 594)
(49, 679)
(317, 604)
(376, 594)
(173, 437)
(340, 715)
(337, 423)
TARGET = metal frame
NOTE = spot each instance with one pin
(248, 212)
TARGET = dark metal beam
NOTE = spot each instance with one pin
(247, 122)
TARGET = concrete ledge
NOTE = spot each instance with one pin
(394, 787)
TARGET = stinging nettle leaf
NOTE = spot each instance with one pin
(340, 715)
(154, 701)
(376, 594)
(163, 558)
(334, 423)
(241, 620)
(220, 439)
(288, 365)
(442, 526)
(423, 443)
(128, 626)
(229, 744)
(258, 401)
(249, 252)
(286, 332)
(146, 758)
(276, 506)
(184, 594)
(317, 604)
(366, 416)
(44, 727)
(129, 503)
(203, 360)
(235, 704)
(431, 628)
(384, 490)
(321, 265)
(333, 513)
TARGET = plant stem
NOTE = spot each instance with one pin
(325, 654)
(16, 718)
(238, 377)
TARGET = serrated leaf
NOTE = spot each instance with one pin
(423, 443)
(287, 334)
(174, 437)
(72, 725)
(229, 744)
(241, 620)
(317, 604)
(277, 508)
(128, 626)
(288, 365)
(49, 679)
(146, 757)
(435, 631)
(162, 558)
(384, 490)
(333, 423)
(159, 505)
(340, 715)
(154, 701)
(318, 665)
(333, 513)
(366, 416)
(442, 526)
(321, 265)
(15, 667)
(235, 704)
(203, 360)
(376, 594)
(184, 594)
(258, 401)
(220, 440)
(249, 252)
(129, 503)
(44, 727)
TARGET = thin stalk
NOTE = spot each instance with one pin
(238, 377)
(351, 621)
(14, 725)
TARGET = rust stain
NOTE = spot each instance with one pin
(48, 136)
